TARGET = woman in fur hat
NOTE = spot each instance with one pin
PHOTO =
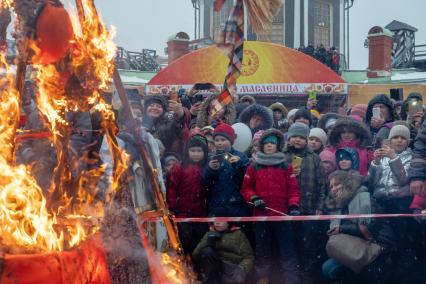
(212, 112)
(257, 117)
(327, 121)
(280, 116)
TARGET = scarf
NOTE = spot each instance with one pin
(270, 159)
(231, 41)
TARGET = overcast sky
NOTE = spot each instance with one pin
(148, 23)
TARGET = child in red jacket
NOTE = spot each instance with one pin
(185, 195)
(269, 183)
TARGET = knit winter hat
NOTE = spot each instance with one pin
(416, 96)
(328, 156)
(291, 113)
(160, 99)
(168, 157)
(225, 130)
(305, 113)
(320, 134)
(298, 129)
(399, 130)
(270, 139)
(197, 141)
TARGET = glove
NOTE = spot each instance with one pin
(212, 238)
(418, 218)
(294, 211)
(258, 203)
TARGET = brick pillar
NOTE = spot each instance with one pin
(380, 52)
(176, 48)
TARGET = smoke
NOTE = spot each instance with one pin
(126, 256)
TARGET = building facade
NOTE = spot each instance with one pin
(298, 23)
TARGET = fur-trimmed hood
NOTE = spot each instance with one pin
(275, 132)
(348, 123)
(279, 106)
(381, 99)
(351, 185)
(262, 111)
(324, 118)
(203, 115)
(248, 98)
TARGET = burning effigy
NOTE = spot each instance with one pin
(67, 215)
(52, 211)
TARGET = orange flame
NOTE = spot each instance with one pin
(7, 4)
(24, 219)
(173, 269)
(27, 220)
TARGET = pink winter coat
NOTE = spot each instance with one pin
(419, 201)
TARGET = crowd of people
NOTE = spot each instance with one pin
(328, 56)
(366, 159)
(361, 161)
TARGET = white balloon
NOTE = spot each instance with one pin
(244, 137)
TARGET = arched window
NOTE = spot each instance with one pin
(219, 18)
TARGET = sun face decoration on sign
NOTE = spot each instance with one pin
(250, 63)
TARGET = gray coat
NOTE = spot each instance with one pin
(390, 178)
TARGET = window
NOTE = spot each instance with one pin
(219, 18)
(276, 34)
(322, 23)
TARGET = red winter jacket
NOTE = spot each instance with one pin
(184, 192)
(276, 185)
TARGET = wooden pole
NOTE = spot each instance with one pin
(25, 10)
(136, 131)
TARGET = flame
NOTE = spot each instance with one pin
(6, 4)
(65, 218)
(173, 269)
(24, 219)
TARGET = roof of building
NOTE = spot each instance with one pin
(397, 25)
(410, 75)
(135, 78)
(264, 63)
